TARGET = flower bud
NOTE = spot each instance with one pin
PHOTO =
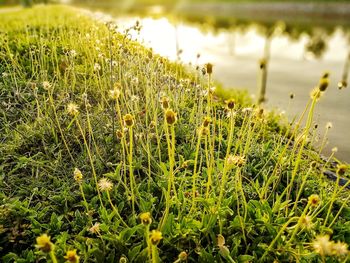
(170, 116)
(146, 218)
(209, 68)
(129, 120)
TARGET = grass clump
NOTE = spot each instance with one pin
(112, 153)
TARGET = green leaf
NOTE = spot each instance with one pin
(134, 252)
(127, 233)
(245, 258)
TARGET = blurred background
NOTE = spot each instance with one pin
(298, 40)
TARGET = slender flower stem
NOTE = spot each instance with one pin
(131, 171)
(298, 160)
(90, 159)
(60, 128)
(333, 199)
(298, 225)
(171, 183)
(224, 172)
(324, 140)
(115, 209)
(301, 189)
(194, 176)
(154, 254)
(53, 257)
(209, 167)
(284, 227)
(149, 245)
(83, 195)
(117, 105)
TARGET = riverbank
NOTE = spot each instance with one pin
(116, 153)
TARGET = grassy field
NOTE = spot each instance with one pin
(111, 153)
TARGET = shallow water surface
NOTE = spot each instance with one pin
(298, 57)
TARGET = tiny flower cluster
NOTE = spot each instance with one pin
(325, 247)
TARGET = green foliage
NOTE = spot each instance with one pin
(67, 83)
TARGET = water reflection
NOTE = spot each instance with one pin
(294, 55)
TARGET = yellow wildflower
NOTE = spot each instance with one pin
(78, 176)
(44, 244)
(156, 236)
(146, 218)
(72, 256)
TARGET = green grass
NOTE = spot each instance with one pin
(221, 181)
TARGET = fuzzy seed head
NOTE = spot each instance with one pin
(155, 237)
(146, 218)
(71, 256)
(340, 249)
(97, 67)
(235, 160)
(95, 229)
(105, 184)
(44, 244)
(170, 116)
(322, 245)
(114, 94)
(72, 109)
(46, 85)
(306, 222)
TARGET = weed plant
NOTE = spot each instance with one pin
(111, 153)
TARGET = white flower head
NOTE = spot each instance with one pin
(105, 184)
(97, 67)
(340, 249)
(322, 245)
(73, 53)
(329, 125)
(95, 228)
(46, 85)
(72, 108)
(135, 98)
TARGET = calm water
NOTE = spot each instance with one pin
(298, 57)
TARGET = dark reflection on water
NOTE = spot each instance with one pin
(297, 47)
